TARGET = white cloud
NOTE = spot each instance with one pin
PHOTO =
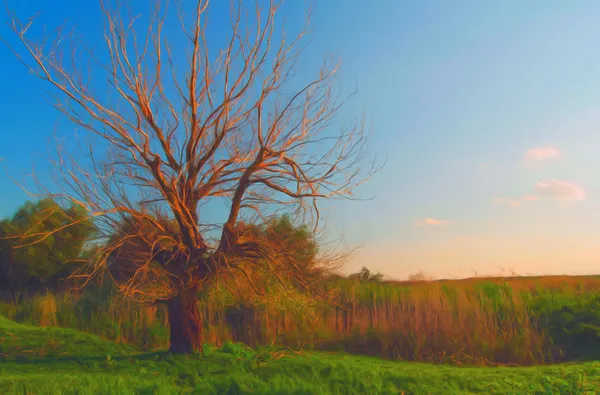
(554, 189)
(431, 222)
(560, 189)
(542, 153)
(530, 198)
(508, 202)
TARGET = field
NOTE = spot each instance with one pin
(418, 331)
(189, 230)
(494, 322)
(62, 361)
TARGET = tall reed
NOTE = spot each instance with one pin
(485, 321)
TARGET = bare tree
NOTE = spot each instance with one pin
(177, 130)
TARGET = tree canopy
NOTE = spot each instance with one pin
(41, 244)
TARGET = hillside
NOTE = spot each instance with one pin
(22, 341)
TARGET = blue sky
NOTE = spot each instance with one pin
(488, 115)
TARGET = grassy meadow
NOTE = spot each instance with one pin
(35, 360)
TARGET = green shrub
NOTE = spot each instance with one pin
(573, 325)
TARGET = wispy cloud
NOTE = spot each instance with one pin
(560, 189)
(508, 202)
(542, 153)
(431, 222)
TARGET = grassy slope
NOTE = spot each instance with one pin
(58, 361)
(21, 341)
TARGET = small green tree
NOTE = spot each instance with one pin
(366, 275)
(30, 266)
(295, 241)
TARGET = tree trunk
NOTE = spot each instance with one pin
(186, 322)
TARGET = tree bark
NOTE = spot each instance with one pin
(185, 322)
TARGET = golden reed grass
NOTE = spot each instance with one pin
(473, 321)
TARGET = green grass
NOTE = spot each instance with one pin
(68, 362)
(22, 341)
